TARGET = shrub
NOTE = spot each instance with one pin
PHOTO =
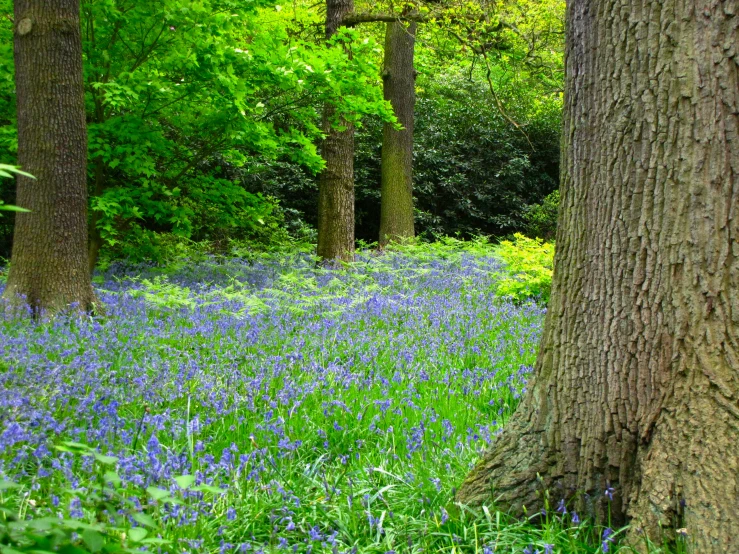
(529, 268)
(541, 219)
(208, 224)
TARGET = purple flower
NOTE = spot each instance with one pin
(398, 334)
(606, 539)
(75, 508)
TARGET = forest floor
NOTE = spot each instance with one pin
(268, 405)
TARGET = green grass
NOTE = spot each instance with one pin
(316, 410)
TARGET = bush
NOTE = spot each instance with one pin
(529, 268)
(210, 222)
(541, 219)
(474, 173)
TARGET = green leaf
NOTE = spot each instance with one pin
(157, 493)
(71, 446)
(7, 171)
(11, 208)
(209, 488)
(156, 540)
(5, 485)
(144, 519)
(93, 540)
(105, 460)
(185, 481)
(137, 534)
(112, 477)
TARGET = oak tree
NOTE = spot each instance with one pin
(637, 380)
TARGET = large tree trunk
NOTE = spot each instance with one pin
(637, 380)
(399, 79)
(49, 264)
(336, 181)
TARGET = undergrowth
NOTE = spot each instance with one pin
(266, 404)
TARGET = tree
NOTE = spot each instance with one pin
(179, 115)
(637, 380)
(336, 181)
(399, 78)
(49, 264)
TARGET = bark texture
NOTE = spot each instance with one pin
(637, 381)
(49, 264)
(399, 81)
(336, 181)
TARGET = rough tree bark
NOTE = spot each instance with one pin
(399, 80)
(336, 181)
(49, 264)
(637, 379)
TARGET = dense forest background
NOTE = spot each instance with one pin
(195, 143)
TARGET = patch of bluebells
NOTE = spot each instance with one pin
(277, 381)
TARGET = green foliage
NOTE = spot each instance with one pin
(529, 268)
(112, 521)
(183, 97)
(8, 171)
(474, 173)
(212, 218)
(348, 407)
(194, 108)
(541, 219)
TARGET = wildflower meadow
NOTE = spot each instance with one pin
(266, 404)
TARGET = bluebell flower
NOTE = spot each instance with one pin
(606, 539)
(181, 383)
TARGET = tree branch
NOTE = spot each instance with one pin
(367, 17)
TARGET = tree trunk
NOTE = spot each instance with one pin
(49, 264)
(399, 79)
(336, 181)
(637, 379)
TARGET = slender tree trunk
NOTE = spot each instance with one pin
(336, 181)
(637, 380)
(49, 264)
(399, 79)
